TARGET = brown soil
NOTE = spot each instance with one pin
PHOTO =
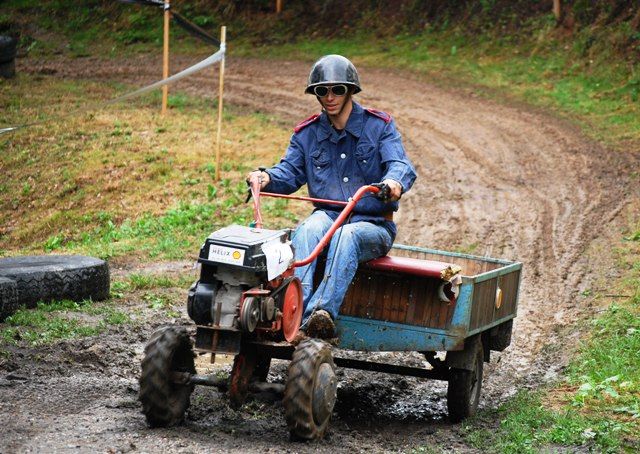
(494, 179)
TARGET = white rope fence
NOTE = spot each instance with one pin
(209, 61)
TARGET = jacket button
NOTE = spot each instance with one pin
(343, 155)
(345, 179)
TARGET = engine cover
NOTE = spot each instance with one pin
(240, 246)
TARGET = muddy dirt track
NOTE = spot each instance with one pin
(501, 180)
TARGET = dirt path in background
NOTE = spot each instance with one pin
(501, 180)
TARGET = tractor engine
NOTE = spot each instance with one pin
(246, 285)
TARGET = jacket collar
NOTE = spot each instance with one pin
(353, 127)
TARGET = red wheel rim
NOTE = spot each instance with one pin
(292, 309)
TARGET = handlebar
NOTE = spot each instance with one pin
(255, 184)
(336, 224)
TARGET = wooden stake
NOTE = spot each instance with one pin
(278, 6)
(557, 11)
(165, 57)
(223, 39)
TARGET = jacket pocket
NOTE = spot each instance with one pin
(320, 159)
(368, 162)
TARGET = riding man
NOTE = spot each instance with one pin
(335, 153)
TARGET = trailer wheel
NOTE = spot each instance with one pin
(164, 402)
(500, 336)
(310, 391)
(465, 386)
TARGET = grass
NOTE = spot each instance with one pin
(58, 320)
(591, 86)
(125, 180)
(591, 75)
(136, 281)
(597, 405)
(528, 425)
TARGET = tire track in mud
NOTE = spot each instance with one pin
(498, 180)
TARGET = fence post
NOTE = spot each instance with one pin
(165, 57)
(557, 11)
(278, 6)
(223, 39)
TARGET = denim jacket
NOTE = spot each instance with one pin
(334, 165)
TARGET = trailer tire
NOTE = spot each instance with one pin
(51, 277)
(465, 386)
(164, 402)
(310, 391)
(500, 336)
(8, 297)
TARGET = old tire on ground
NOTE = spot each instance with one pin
(8, 45)
(310, 391)
(8, 69)
(8, 297)
(165, 402)
(51, 277)
(465, 386)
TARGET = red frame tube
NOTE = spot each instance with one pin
(255, 184)
(336, 224)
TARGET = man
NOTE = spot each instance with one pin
(335, 153)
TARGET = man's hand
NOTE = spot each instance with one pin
(261, 175)
(395, 190)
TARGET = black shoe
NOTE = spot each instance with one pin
(320, 325)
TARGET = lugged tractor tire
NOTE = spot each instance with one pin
(56, 277)
(465, 387)
(164, 402)
(8, 297)
(310, 391)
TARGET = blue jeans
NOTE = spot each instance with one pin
(351, 244)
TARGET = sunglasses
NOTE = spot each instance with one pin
(323, 90)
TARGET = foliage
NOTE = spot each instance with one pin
(56, 320)
(597, 407)
(150, 281)
(60, 186)
(589, 84)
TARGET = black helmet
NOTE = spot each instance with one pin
(333, 69)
